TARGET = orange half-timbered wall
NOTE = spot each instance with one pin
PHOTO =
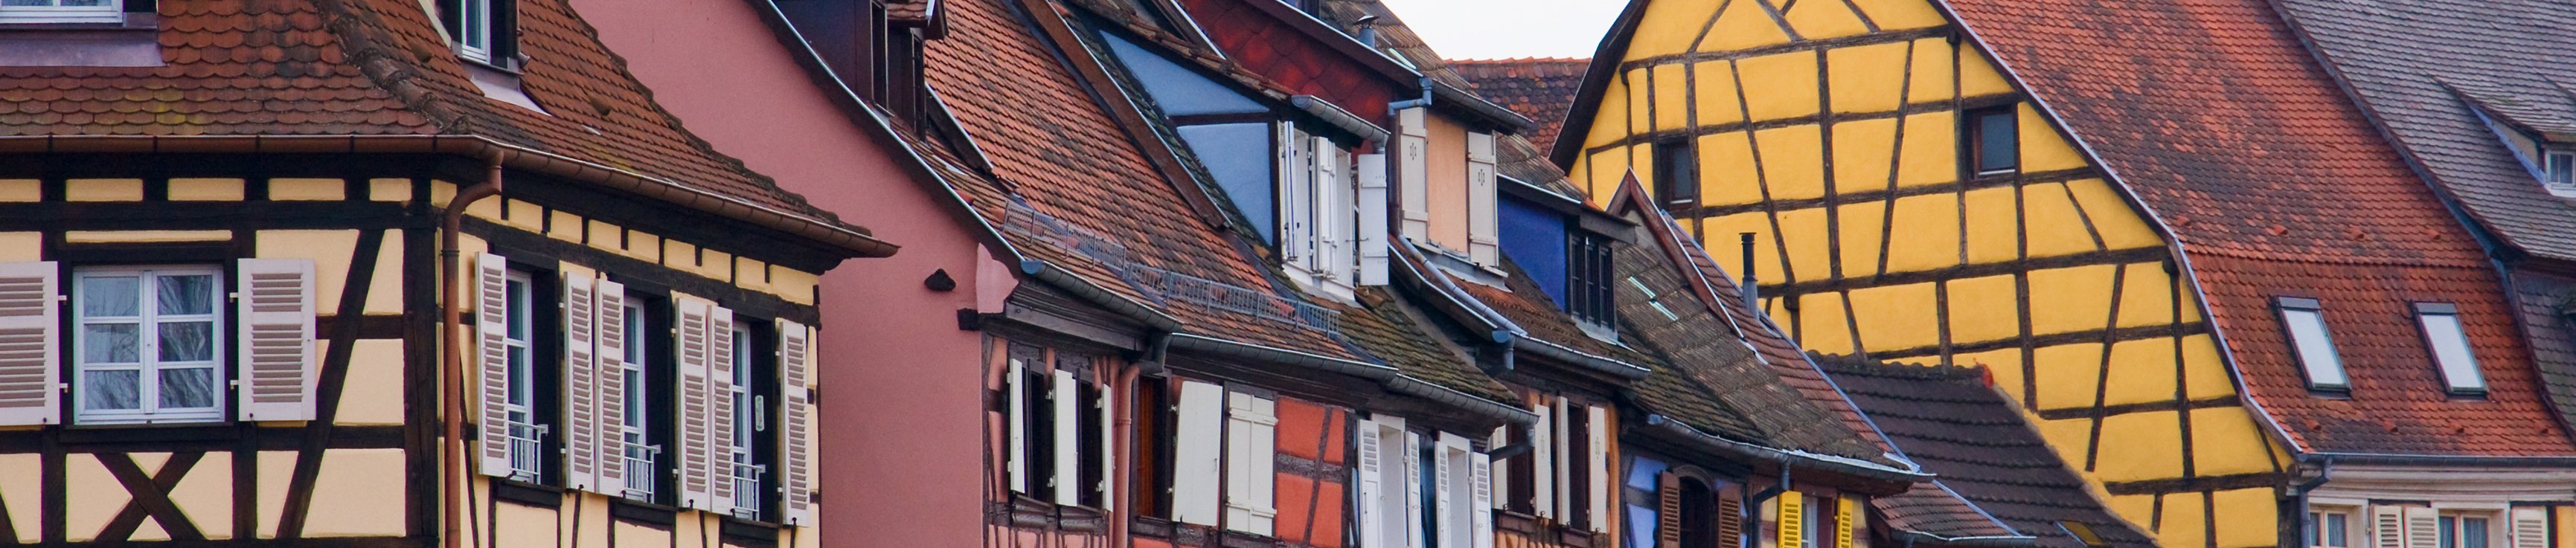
(1831, 131)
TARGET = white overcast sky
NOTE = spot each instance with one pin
(1494, 29)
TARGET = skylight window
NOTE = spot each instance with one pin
(2305, 322)
(2450, 343)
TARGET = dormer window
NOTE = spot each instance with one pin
(1589, 293)
(2450, 346)
(2305, 323)
(1318, 210)
(2558, 169)
(484, 31)
(62, 11)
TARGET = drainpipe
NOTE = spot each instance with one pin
(1119, 520)
(1399, 106)
(2325, 468)
(452, 370)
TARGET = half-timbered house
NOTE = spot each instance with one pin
(388, 273)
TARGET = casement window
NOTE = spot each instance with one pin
(2426, 527)
(1319, 213)
(2450, 345)
(1676, 174)
(1224, 438)
(1805, 520)
(633, 442)
(513, 432)
(148, 344)
(2329, 528)
(2304, 321)
(1418, 491)
(62, 11)
(2558, 169)
(1059, 423)
(483, 31)
(1565, 477)
(2459, 530)
(1991, 140)
(750, 419)
(1590, 293)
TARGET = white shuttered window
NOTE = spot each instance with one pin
(695, 350)
(276, 339)
(1483, 240)
(615, 326)
(1196, 461)
(583, 431)
(29, 393)
(147, 344)
(795, 365)
(1250, 440)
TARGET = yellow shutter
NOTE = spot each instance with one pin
(1848, 512)
(1792, 520)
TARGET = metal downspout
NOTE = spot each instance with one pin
(452, 368)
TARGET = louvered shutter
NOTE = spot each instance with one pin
(1197, 453)
(2387, 527)
(1296, 198)
(1413, 173)
(1251, 443)
(30, 385)
(1597, 467)
(1411, 454)
(1443, 482)
(1340, 209)
(1792, 529)
(1374, 250)
(491, 329)
(1016, 402)
(1372, 492)
(275, 307)
(695, 434)
(1068, 439)
(796, 363)
(720, 364)
(608, 383)
(1545, 454)
(1480, 512)
(1483, 242)
(2423, 527)
(2530, 527)
(582, 429)
(1846, 509)
(1730, 516)
(1668, 511)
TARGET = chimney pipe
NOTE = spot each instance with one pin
(1752, 295)
(1368, 30)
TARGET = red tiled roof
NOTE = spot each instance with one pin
(1541, 88)
(2277, 186)
(374, 67)
(909, 10)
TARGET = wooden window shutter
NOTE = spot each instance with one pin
(276, 339)
(1545, 453)
(1444, 478)
(1068, 439)
(1413, 172)
(1668, 511)
(30, 385)
(1500, 484)
(2423, 527)
(1374, 249)
(1846, 513)
(1792, 522)
(695, 435)
(1371, 492)
(1480, 512)
(796, 363)
(2387, 527)
(1483, 244)
(1411, 454)
(582, 434)
(1730, 516)
(491, 326)
(2530, 527)
(1251, 445)
(719, 421)
(1108, 456)
(1196, 458)
(1296, 197)
(1597, 479)
(1331, 200)
(1016, 402)
(608, 385)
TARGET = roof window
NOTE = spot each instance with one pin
(2450, 346)
(2305, 322)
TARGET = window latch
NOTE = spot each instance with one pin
(234, 296)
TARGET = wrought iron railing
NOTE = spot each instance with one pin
(641, 461)
(527, 444)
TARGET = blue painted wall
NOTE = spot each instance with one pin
(1534, 237)
(1179, 90)
(1239, 155)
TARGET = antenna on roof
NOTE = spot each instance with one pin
(1752, 297)
(1368, 30)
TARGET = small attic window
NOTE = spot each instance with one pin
(2558, 170)
(2450, 345)
(2305, 322)
(1992, 139)
(2083, 532)
(62, 11)
(484, 31)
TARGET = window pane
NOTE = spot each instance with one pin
(2451, 352)
(2450, 532)
(112, 390)
(1998, 148)
(110, 296)
(2316, 349)
(191, 387)
(2561, 168)
(2473, 532)
(187, 341)
(186, 294)
(635, 403)
(2335, 524)
(111, 343)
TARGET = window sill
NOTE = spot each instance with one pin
(647, 513)
(525, 493)
(755, 534)
(2561, 191)
(136, 42)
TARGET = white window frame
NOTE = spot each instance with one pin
(2557, 180)
(2452, 353)
(111, 12)
(1317, 187)
(634, 431)
(747, 424)
(517, 339)
(474, 39)
(2454, 527)
(147, 363)
(2317, 529)
(2319, 361)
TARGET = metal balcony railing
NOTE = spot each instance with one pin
(746, 487)
(641, 462)
(527, 442)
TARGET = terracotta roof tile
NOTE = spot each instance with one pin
(1541, 88)
(1700, 358)
(2278, 186)
(1516, 156)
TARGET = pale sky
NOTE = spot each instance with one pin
(1493, 29)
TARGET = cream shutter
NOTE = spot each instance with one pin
(1251, 446)
(1195, 454)
(1480, 513)
(30, 385)
(1109, 448)
(491, 326)
(1411, 454)
(2530, 527)
(275, 308)
(608, 383)
(1597, 464)
(1371, 172)
(1500, 484)
(695, 435)
(1444, 483)
(1566, 453)
(719, 421)
(1792, 520)
(796, 363)
(582, 429)
(1544, 454)
(1413, 173)
(1016, 402)
(2387, 527)
(1068, 439)
(1372, 492)
(2423, 527)
(1339, 215)
(1296, 198)
(1483, 242)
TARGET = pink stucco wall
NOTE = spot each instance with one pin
(899, 455)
